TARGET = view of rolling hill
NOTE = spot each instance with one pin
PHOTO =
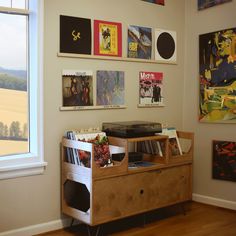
(15, 73)
(13, 79)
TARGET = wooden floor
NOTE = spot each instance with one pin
(199, 220)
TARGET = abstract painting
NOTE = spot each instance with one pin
(110, 88)
(217, 76)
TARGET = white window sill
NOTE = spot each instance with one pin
(14, 171)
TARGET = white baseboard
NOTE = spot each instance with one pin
(38, 229)
(214, 201)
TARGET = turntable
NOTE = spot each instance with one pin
(131, 129)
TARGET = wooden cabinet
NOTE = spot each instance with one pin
(97, 195)
(126, 195)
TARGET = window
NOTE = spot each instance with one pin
(21, 88)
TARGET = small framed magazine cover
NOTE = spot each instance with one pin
(75, 35)
(139, 42)
(166, 46)
(224, 160)
(77, 88)
(150, 89)
(110, 89)
(107, 38)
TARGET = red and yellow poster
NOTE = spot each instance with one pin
(107, 38)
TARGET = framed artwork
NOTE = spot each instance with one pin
(224, 160)
(150, 89)
(159, 2)
(77, 88)
(139, 42)
(110, 88)
(107, 38)
(202, 4)
(165, 46)
(217, 76)
(75, 35)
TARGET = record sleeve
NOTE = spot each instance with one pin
(75, 35)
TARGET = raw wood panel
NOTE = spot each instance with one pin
(174, 185)
(131, 194)
(122, 196)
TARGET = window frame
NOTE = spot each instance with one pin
(31, 163)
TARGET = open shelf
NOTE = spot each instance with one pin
(112, 58)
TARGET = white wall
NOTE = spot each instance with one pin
(34, 200)
(200, 22)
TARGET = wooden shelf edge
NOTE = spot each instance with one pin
(81, 108)
(112, 58)
(150, 105)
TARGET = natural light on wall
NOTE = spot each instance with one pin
(20, 86)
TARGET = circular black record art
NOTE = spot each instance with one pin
(165, 45)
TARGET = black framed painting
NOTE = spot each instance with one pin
(75, 35)
(224, 160)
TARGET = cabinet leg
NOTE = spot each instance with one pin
(88, 229)
(72, 222)
(92, 232)
(144, 220)
(183, 208)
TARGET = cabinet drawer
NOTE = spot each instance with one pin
(175, 185)
(122, 196)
